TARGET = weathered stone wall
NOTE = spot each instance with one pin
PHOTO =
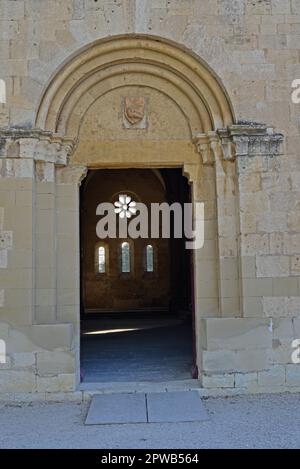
(250, 315)
(252, 45)
(40, 350)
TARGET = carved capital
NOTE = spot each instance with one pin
(215, 146)
(245, 139)
(191, 172)
(36, 145)
(227, 145)
(203, 146)
(71, 174)
(255, 139)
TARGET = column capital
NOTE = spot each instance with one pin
(241, 139)
(202, 143)
(35, 144)
(71, 174)
(253, 139)
(214, 145)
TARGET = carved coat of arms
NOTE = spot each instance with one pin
(134, 109)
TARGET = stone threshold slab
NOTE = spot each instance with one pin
(117, 408)
(141, 386)
(157, 407)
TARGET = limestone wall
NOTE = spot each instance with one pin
(249, 316)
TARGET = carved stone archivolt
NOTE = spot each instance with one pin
(111, 63)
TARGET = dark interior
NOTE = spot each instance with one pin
(142, 339)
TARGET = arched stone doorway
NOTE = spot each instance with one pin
(136, 102)
(184, 116)
(137, 321)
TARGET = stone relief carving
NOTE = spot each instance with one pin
(35, 144)
(24, 153)
(253, 139)
(134, 115)
(243, 139)
(71, 174)
(23, 150)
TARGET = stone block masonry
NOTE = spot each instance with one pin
(217, 77)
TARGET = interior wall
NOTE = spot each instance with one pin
(169, 286)
(113, 290)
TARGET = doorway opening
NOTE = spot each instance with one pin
(137, 308)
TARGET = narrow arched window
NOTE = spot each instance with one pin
(149, 258)
(125, 257)
(101, 260)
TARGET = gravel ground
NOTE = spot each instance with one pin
(265, 421)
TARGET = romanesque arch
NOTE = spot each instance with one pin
(191, 125)
(134, 60)
(190, 130)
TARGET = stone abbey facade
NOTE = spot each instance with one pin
(216, 77)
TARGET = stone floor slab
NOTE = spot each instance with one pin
(154, 355)
(117, 408)
(175, 407)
